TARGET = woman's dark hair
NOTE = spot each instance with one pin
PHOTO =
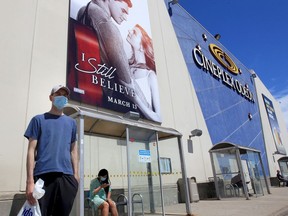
(104, 172)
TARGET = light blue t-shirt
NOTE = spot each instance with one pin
(95, 183)
(54, 135)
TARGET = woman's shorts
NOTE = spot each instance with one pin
(97, 201)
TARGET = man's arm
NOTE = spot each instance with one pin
(75, 160)
(30, 163)
(280, 177)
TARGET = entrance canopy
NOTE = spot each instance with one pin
(231, 162)
(103, 124)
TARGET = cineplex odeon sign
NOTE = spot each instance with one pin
(223, 59)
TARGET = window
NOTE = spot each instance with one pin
(165, 165)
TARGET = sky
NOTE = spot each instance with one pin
(255, 32)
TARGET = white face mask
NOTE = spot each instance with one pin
(102, 179)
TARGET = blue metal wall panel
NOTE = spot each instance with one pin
(225, 111)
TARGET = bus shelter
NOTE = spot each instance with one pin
(283, 164)
(232, 163)
(134, 133)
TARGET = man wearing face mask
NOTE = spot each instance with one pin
(52, 156)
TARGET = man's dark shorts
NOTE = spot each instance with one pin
(60, 192)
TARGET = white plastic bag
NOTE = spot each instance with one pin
(30, 210)
(33, 210)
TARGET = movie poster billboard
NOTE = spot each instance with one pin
(110, 59)
(274, 125)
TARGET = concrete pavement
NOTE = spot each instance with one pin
(274, 204)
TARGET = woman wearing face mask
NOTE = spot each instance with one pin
(143, 71)
(100, 194)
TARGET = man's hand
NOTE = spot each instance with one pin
(77, 177)
(29, 193)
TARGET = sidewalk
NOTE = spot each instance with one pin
(274, 204)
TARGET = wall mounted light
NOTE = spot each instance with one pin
(169, 6)
(204, 36)
(250, 116)
(196, 132)
(217, 36)
(253, 73)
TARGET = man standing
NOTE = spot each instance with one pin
(53, 156)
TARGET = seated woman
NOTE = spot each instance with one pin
(100, 193)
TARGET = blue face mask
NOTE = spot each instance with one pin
(102, 178)
(60, 102)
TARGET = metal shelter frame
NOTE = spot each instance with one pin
(237, 150)
(103, 124)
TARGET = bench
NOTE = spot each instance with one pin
(281, 183)
(122, 201)
(274, 181)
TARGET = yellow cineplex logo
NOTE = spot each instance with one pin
(223, 59)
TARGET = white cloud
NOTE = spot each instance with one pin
(282, 98)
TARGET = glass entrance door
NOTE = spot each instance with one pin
(144, 181)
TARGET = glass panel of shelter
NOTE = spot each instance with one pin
(227, 169)
(151, 185)
(142, 164)
(172, 179)
(104, 153)
(146, 193)
(283, 168)
(256, 173)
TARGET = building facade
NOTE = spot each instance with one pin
(201, 86)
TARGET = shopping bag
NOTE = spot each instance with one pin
(33, 210)
(30, 210)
